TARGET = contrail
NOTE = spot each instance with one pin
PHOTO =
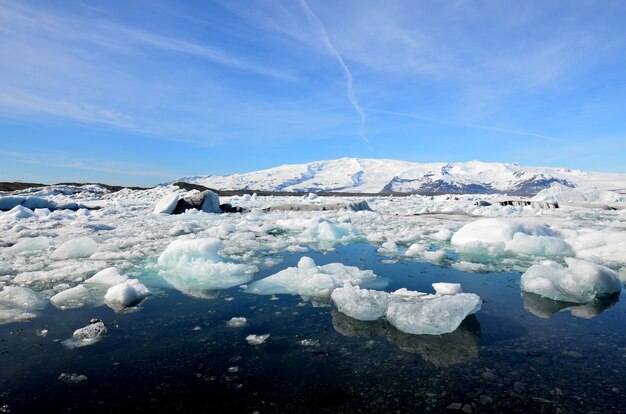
(476, 126)
(333, 51)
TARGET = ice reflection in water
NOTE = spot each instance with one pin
(545, 307)
(441, 350)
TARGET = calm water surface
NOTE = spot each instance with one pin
(176, 354)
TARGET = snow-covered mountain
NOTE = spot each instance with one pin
(384, 176)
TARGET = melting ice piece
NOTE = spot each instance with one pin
(579, 282)
(257, 339)
(29, 245)
(361, 304)
(194, 266)
(442, 288)
(126, 294)
(167, 204)
(17, 212)
(75, 297)
(109, 276)
(236, 322)
(431, 315)
(72, 378)
(16, 303)
(494, 236)
(75, 249)
(329, 234)
(310, 280)
(20, 297)
(87, 335)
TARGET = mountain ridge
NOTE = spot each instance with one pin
(367, 175)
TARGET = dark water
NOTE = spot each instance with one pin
(176, 354)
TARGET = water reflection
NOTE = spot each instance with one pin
(545, 308)
(441, 350)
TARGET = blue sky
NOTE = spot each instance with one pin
(143, 92)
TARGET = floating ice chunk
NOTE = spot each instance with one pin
(195, 266)
(236, 322)
(328, 234)
(124, 295)
(361, 304)
(388, 248)
(29, 245)
(5, 269)
(8, 203)
(405, 293)
(167, 204)
(310, 280)
(415, 250)
(437, 256)
(494, 230)
(75, 249)
(442, 288)
(432, 315)
(442, 235)
(87, 335)
(18, 212)
(15, 315)
(38, 202)
(20, 297)
(546, 246)
(75, 297)
(257, 339)
(109, 276)
(579, 282)
(309, 342)
(71, 378)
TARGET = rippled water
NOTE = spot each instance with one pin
(518, 354)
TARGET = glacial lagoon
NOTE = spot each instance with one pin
(175, 352)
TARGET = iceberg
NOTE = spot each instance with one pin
(109, 277)
(361, 304)
(75, 297)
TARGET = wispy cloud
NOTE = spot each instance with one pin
(73, 162)
(348, 75)
(474, 126)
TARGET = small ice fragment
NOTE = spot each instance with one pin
(87, 335)
(41, 332)
(75, 297)
(109, 276)
(70, 378)
(233, 370)
(442, 288)
(126, 294)
(236, 322)
(309, 342)
(257, 339)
